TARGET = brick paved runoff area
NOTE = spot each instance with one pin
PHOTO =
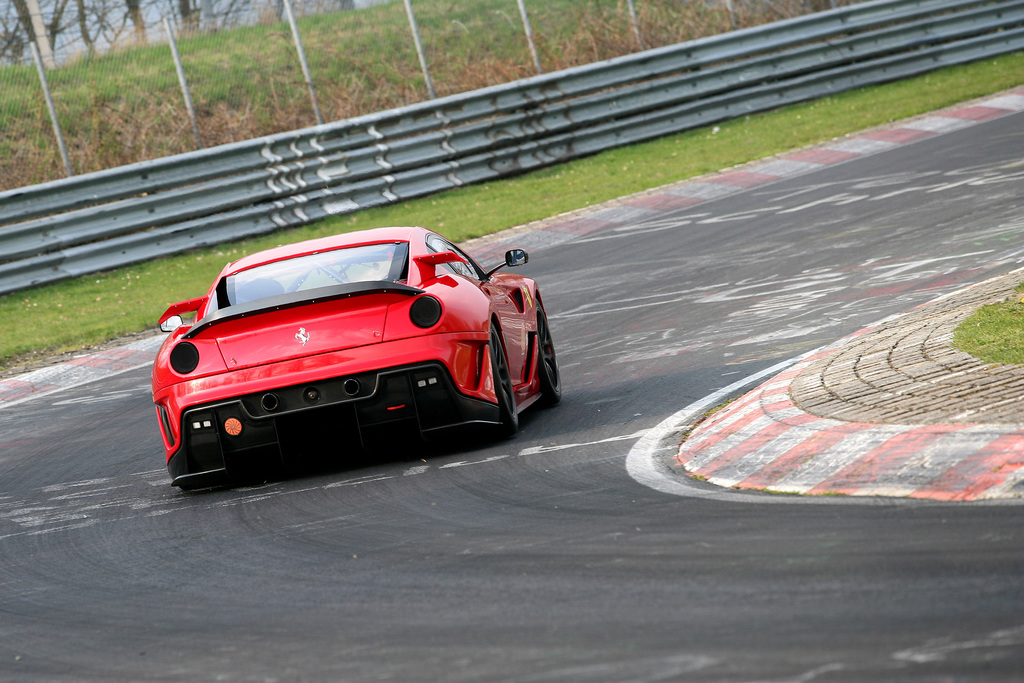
(893, 410)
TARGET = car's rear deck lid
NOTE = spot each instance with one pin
(294, 325)
(283, 301)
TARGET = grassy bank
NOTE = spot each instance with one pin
(89, 310)
(126, 106)
(993, 333)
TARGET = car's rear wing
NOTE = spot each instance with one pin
(181, 307)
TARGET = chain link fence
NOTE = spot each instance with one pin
(111, 82)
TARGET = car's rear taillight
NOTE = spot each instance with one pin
(184, 358)
(425, 311)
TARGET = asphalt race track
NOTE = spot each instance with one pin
(539, 558)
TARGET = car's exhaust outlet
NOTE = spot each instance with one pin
(352, 387)
(270, 402)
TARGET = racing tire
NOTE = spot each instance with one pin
(509, 418)
(550, 378)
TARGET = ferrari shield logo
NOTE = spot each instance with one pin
(302, 336)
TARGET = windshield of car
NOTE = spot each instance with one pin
(364, 263)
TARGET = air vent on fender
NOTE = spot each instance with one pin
(517, 299)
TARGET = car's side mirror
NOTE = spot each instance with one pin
(171, 324)
(513, 258)
(516, 257)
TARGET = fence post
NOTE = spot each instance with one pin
(49, 105)
(636, 24)
(302, 61)
(183, 83)
(419, 48)
(529, 35)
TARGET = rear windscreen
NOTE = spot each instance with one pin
(366, 263)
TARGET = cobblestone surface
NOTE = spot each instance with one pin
(906, 371)
(893, 410)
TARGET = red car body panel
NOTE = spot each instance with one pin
(249, 376)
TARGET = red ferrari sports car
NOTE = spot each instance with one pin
(345, 341)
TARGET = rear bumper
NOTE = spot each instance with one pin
(326, 418)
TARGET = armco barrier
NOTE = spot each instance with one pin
(132, 213)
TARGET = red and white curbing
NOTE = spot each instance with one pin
(81, 369)
(765, 442)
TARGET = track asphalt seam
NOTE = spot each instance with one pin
(788, 435)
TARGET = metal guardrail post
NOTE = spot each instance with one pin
(53, 111)
(529, 35)
(183, 83)
(302, 61)
(419, 49)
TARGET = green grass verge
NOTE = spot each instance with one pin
(92, 309)
(993, 333)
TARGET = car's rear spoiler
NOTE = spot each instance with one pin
(181, 307)
(313, 296)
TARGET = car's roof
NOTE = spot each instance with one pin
(348, 239)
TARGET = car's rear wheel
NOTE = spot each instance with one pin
(550, 379)
(503, 386)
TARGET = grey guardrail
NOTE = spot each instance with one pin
(128, 214)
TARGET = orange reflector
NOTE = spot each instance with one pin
(233, 426)
(397, 407)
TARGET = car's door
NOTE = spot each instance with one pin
(509, 300)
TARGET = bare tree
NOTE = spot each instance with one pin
(135, 14)
(188, 14)
(55, 26)
(24, 18)
(83, 27)
(12, 42)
